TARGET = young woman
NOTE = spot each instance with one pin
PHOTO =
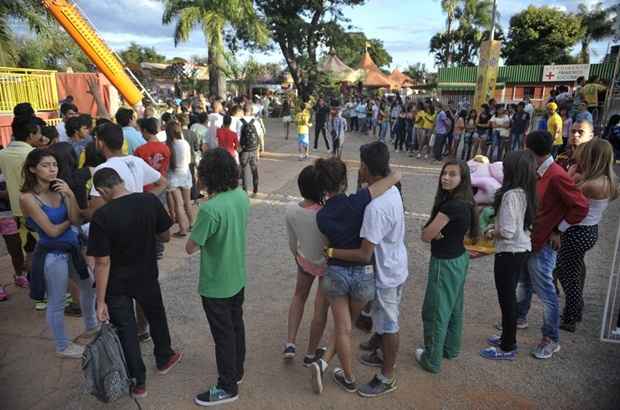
(470, 134)
(50, 207)
(400, 130)
(453, 216)
(306, 244)
(425, 120)
(179, 177)
(459, 130)
(384, 120)
(515, 210)
(482, 125)
(594, 175)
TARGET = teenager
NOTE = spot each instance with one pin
(500, 134)
(519, 125)
(227, 139)
(581, 132)
(180, 177)
(459, 131)
(336, 127)
(50, 207)
(453, 216)
(515, 209)
(67, 110)
(594, 175)
(306, 244)
(321, 113)
(302, 119)
(220, 235)
(558, 199)
(383, 236)
(10, 234)
(554, 127)
(249, 144)
(126, 269)
(470, 135)
(349, 285)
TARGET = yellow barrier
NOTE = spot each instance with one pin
(38, 87)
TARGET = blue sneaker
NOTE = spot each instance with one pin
(496, 353)
(214, 396)
(495, 340)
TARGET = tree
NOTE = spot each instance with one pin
(212, 16)
(417, 72)
(29, 11)
(541, 35)
(350, 48)
(300, 28)
(136, 54)
(597, 23)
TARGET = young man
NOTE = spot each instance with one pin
(442, 128)
(580, 133)
(519, 125)
(249, 142)
(126, 118)
(554, 127)
(383, 235)
(321, 112)
(79, 135)
(67, 110)
(154, 152)
(558, 199)
(122, 238)
(220, 234)
(336, 127)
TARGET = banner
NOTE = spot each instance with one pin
(568, 72)
(487, 72)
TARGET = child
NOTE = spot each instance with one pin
(302, 119)
(515, 209)
(453, 216)
(228, 139)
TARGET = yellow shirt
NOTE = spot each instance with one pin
(12, 160)
(302, 119)
(428, 120)
(554, 126)
(590, 93)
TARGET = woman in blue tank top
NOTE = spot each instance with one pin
(51, 209)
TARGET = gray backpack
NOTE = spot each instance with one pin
(104, 366)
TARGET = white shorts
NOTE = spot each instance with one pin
(385, 310)
(179, 179)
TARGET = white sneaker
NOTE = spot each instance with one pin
(418, 354)
(616, 332)
(73, 351)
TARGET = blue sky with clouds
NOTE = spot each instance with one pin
(405, 26)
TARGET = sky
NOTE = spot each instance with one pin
(405, 26)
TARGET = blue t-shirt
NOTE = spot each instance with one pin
(134, 139)
(340, 220)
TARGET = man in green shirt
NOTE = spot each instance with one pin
(219, 232)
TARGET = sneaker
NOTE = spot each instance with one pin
(495, 341)
(214, 396)
(372, 359)
(496, 353)
(240, 381)
(616, 332)
(378, 386)
(21, 281)
(521, 324)
(3, 294)
(92, 332)
(569, 327)
(364, 323)
(545, 349)
(173, 361)
(425, 156)
(289, 351)
(395, 150)
(40, 304)
(418, 156)
(144, 337)
(371, 344)
(138, 392)
(309, 359)
(418, 355)
(318, 368)
(341, 380)
(73, 309)
(73, 351)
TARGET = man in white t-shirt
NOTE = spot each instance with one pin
(215, 120)
(67, 110)
(383, 236)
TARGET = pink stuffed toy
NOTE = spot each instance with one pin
(487, 178)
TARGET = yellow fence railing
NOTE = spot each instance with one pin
(38, 87)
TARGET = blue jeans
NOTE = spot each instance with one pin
(517, 141)
(538, 277)
(56, 280)
(494, 146)
(357, 282)
(383, 128)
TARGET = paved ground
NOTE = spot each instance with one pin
(585, 374)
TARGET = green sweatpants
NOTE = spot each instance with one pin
(442, 313)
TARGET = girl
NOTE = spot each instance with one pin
(179, 177)
(384, 120)
(302, 119)
(306, 244)
(482, 124)
(594, 175)
(470, 134)
(50, 207)
(459, 129)
(453, 216)
(515, 210)
(426, 123)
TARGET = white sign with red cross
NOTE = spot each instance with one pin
(562, 73)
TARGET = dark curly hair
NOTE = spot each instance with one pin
(332, 175)
(218, 171)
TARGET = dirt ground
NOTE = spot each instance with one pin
(585, 374)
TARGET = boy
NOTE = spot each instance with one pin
(227, 139)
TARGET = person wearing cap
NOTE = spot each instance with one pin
(554, 127)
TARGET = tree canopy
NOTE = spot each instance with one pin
(136, 54)
(541, 35)
(597, 23)
(349, 47)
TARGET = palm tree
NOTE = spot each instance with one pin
(212, 16)
(597, 23)
(451, 8)
(29, 11)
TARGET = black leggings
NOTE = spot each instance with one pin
(320, 129)
(507, 269)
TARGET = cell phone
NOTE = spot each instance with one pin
(54, 185)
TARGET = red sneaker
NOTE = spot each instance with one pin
(21, 281)
(176, 358)
(138, 392)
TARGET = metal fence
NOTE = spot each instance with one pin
(38, 87)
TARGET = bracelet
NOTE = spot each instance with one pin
(330, 252)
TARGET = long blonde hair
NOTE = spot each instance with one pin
(595, 159)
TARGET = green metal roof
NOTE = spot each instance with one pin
(514, 74)
(464, 86)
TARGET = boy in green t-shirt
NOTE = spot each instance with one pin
(220, 233)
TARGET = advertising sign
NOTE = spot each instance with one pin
(487, 72)
(569, 72)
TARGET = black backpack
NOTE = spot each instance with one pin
(249, 136)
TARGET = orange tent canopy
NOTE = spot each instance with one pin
(374, 76)
(401, 79)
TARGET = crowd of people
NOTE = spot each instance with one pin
(76, 196)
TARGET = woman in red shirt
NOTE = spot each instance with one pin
(228, 139)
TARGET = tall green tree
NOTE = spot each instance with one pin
(136, 54)
(29, 11)
(597, 23)
(299, 28)
(541, 35)
(212, 16)
(350, 49)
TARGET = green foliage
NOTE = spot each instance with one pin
(136, 54)
(350, 49)
(417, 72)
(29, 11)
(597, 23)
(541, 35)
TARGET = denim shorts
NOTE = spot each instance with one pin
(385, 310)
(358, 282)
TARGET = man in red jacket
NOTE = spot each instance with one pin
(558, 199)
